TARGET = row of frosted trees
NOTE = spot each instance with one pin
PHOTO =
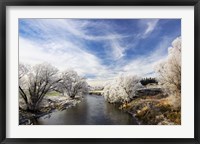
(38, 80)
(123, 88)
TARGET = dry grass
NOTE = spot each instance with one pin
(154, 110)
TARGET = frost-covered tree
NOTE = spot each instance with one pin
(169, 71)
(72, 84)
(23, 71)
(121, 89)
(130, 84)
(40, 80)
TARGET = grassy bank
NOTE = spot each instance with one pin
(153, 110)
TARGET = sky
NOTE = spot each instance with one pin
(98, 49)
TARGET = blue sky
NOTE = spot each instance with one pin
(98, 49)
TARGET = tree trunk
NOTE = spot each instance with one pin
(32, 108)
(72, 96)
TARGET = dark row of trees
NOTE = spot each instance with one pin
(146, 81)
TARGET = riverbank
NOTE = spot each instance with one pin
(153, 110)
(48, 105)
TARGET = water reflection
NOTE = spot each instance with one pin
(92, 111)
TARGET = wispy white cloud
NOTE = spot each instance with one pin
(114, 40)
(74, 58)
(145, 65)
(115, 49)
(67, 28)
(148, 26)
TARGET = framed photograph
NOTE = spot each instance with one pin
(99, 71)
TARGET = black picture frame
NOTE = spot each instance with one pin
(5, 3)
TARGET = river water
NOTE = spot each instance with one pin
(93, 110)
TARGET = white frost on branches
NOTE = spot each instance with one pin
(169, 71)
(35, 82)
(72, 84)
(121, 89)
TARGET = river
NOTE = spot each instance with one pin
(93, 110)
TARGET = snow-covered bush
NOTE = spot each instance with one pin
(121, 89)
(72, 84)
